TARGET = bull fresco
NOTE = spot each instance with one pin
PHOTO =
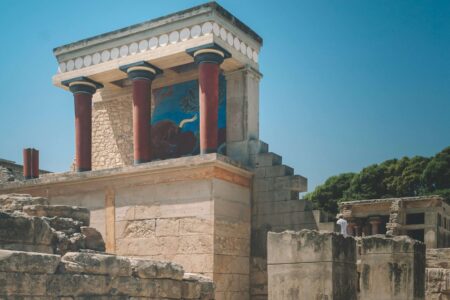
(175, 120)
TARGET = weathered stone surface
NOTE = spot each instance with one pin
(77, 213)
(22, 284)
(66, 225)
(392, 268)
(438, 258)
(29, 262)
(12, 202)
(156, 269)
(437, 282)
(207, 286)
(311, 265)
(93, 239)
(94, 263)
(17, 229)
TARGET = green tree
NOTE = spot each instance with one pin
(327, 196)
(403, 177)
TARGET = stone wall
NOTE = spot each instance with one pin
(112, 130)
(275, 207)
(392, 268)
(438, 274)
(194, 211)
(30, 275)
(311, 265)
(11, 171)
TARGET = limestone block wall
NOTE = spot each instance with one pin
(311, 265)
(275, 207)
(112, 129)
(437, 276)
(194, 211)
(392, 268)
(76, 276)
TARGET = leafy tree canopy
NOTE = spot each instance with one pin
(405, 177)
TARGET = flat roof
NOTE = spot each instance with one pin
(374, 201)
(147, 24)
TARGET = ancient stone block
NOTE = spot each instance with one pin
(206, 285)
(94, 263)
(93, 239)
(392, 268)
(17, 230)
(438, 258)
(12, 202)
(311, 265)
(81, 214)
(22, 284)
(29, 262)
(437, 283)
(156, 269)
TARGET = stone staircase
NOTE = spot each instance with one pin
(275, 207)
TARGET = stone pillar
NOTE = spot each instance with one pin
(375, 224)
(311, 265)
(208, 58)
(141, 75)
(83, 88)
(392, 268)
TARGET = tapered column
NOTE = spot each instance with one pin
(141, 75)
(83, 88)
(375, 223)
(208, 58)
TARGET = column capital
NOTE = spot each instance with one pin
(211, 53)
(141, 70)
(82, 84)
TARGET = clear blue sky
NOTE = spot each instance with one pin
(346, 83)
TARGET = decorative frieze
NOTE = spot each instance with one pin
(162, 40)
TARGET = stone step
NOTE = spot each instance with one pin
(279, 207)
(267, 159)
(257, 147)
(272, 196)
(295, 183)
(274, 171)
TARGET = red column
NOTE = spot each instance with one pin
(83, 88)
(208, 78)
(142, 120)
(34, 163)
(27, 163)
(208, 58)
(142, 74)
(83, 131)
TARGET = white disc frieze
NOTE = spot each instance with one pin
(70, 65)
(249, 52)
(62, 67)
(114, 53)
(230, 39)
(163, 40)
(123, 51)
(153, 43)
(255, 56)
(243, 48)
(223, 34)
(143, 45)
(184, 34)
(87, 60)
(207, 28)
(237, 44)
(196, 30)
(216, 29)
(78, 63)
(173, 37)
(105, 55)
(134, 47)
(96, 58)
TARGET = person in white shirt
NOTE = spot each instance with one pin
(343, 223)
